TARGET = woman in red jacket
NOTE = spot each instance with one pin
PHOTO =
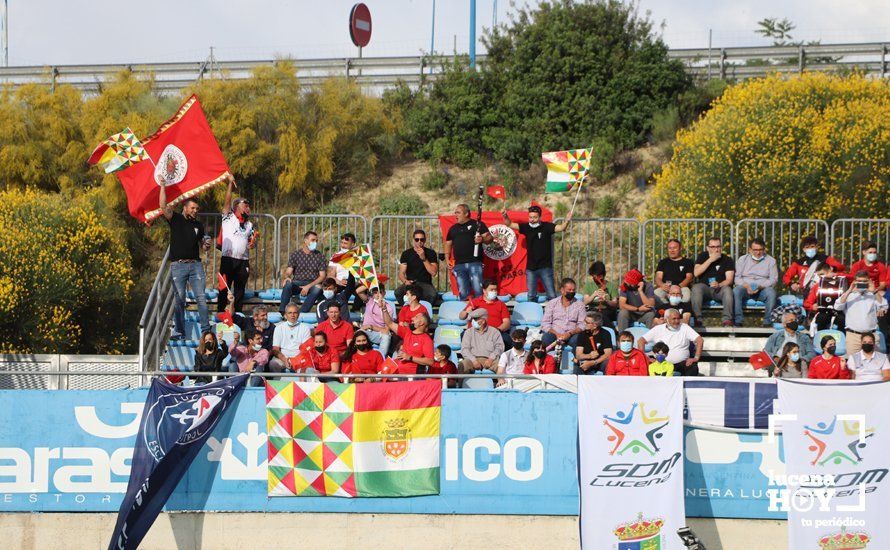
(627, 361)
(828, 366)
(538, 361)
(361, 358)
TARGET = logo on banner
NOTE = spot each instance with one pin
(635, 431)
(836, 446)
(845, 541)
(172, 166)
(169, 410)
(396, 438)
(640, 534)
(504, 244)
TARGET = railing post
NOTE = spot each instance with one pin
(723, 63)
(801, 59)
(346, 67)
(883, 60)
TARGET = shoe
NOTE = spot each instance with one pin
(727, 323)
(177, 337)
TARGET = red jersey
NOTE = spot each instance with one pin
(827, 369)
(406, 313)
(415, 345)
(322, 361)
(443, 367)
(337, 336)
(369, 363)
(637, 364)
(497, 310)
(549, 366)
(877, 271)
(797, 271)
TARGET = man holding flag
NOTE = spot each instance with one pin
(539, 244)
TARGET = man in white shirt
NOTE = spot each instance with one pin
(237, 238)
(862, 306)
(678, 336)
(868, 364)
(287, 338)
(512, 361)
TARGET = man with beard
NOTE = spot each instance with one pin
(237, 237)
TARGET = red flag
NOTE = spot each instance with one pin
(223, 285)
(226, 318)
(509, 270)
(303, 360)
(760, 360)
(497, 192)
(390, 366)
(187, 158)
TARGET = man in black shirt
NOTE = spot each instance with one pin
(187, 236)
(258, 322)
(594, 346)
(674, 270)
(417, 265)
(539, 245)
(464, 257)
(715, 272)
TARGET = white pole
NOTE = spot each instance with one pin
(6, 33)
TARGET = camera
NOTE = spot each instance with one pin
(689, 539)
(861, 286)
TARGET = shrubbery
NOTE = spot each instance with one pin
(403, 204)
(815, 146)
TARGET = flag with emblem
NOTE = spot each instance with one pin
(360, 263)
(353, 440)
(566, 169)
(118, 152)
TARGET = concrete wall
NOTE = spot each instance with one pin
(247, 531)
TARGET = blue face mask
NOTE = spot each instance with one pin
(626, 346)
(871, 257)
(312, 246)
(795, 357)
(659, 357)
(328, 294)
(810, 252)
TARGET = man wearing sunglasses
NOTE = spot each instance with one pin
(417, 265)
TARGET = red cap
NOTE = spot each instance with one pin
(633, 278)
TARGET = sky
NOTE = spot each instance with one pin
(57, 32)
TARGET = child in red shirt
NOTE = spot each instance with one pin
(828, 366)
(442, 364)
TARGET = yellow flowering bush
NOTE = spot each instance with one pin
(813, 146)
(65, 276)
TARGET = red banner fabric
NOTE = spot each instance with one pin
(188, 159)
(506, 261)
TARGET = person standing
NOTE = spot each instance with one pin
(237, 238)
(417, 265)
(676, 269)
(464, 257)
(306, 270)
(863, 306)
(187, 238)
(539, 246)
(715, 271)
(756, 274)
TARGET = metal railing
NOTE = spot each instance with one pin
(693, 233)
(782, 237)
(848, 234)
(69, 372)
(391, 235)
(615, 242)
(154, 325)
(329, 227)
(263, 267)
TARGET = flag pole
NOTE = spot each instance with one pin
(580, 184)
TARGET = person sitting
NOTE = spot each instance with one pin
(756, 274)
(598, 294)
(538, 361)
(339, 332)
(789, 334)
(417, 266)
(636, 301)
(289, 335)
(876, 269)
(373, 324)
(790, 363)
(802, 271)
(823, 295)
(868, 364)
(304, 274)
(346, 285)
(675, 301)
(862, 307)
(716, 272)
(594, 346)
(416, 353)
(661, 366)
(412, 305)
(323, 357)
(627, 361)
(331, 297)
(678, 337)
(563, 317)
(442, 363)
(512, 361)
(676, 269)
(212, 351)
(361, 358)
(481, 345)
(250, 357)
(258, 321)
(828, 366)
(498, 314)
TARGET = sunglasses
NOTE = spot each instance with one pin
(419, 240)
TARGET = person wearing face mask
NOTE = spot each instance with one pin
(538, 361)
(338, 331)
(627, 360)
(498, 314)
(481, 345)
(306, 270)
(250, 357)
(212, 351)
(416, 352)
(789, 334)
(868, 364)
(863, 308)
(822, 297)
(512, 361)
(539, 245)
(323, 356)
(594, 346)
(258, 321)
(636, 300)
(801, 274)
(661, 366)
(330, 297)
(675, 301)
(289, 335)
(790, 364)
(361, 358)
(880, 277)
(563, 317)
(412, 305)
(442, 363)
(236, 238)
(678, 336)
(827, 365)
(756, 275)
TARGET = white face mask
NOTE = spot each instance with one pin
(257, 347)
(328, 294)
(534, 225)
(675, 300)
(871, 257)
(476, 323)
(292, 323)
(491, 295)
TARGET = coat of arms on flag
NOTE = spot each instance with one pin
(360, 263)
(566, 169)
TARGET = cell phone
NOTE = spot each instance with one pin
(861, 286)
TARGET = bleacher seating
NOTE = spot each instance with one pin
(523, 297)
(527, 314)
(448, 335)
(479, 383)
(638, 333)
(449, 311)
(838, 336)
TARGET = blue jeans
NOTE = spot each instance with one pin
(192, 274)
(254, 381)
(545, 275)
(294, 288)
(381, 339)
(766, 295)
(469, 277)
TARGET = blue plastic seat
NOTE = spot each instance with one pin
(179, 357)
(528, 314)
(390, 296)
(274, 317)
(523, 297)
(612, 335)
(505, 298)
(271, 295)
(310, 317)
(479, 383)
(638, 333)
(448, 335)
(428, 306)
(880, 343)
(449, 313)
(248, 294)
(790, 300)
(838, 336)
(754, 304)
(450, 297)
(567, 364)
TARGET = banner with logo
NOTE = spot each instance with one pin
(176, 422)
(837, 457)
(630, 437)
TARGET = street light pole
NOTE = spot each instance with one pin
(472, 34)
(6, 33)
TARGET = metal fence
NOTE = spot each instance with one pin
(782, 237)
(154, 325)
(263, 270)
(848, 234)
(615, 242)
(391, 235)
(50, 372)
(693, 233)
(329, 227)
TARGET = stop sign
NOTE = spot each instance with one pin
(360, 25)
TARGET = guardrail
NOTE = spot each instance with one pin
(380, 72)
(63, 372)
(154, 325)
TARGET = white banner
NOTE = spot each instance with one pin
(630, 432)
(837, 455)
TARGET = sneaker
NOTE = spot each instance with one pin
(727, 323)
(177, 337)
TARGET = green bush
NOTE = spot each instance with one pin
(435, 179)
(403, 204)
